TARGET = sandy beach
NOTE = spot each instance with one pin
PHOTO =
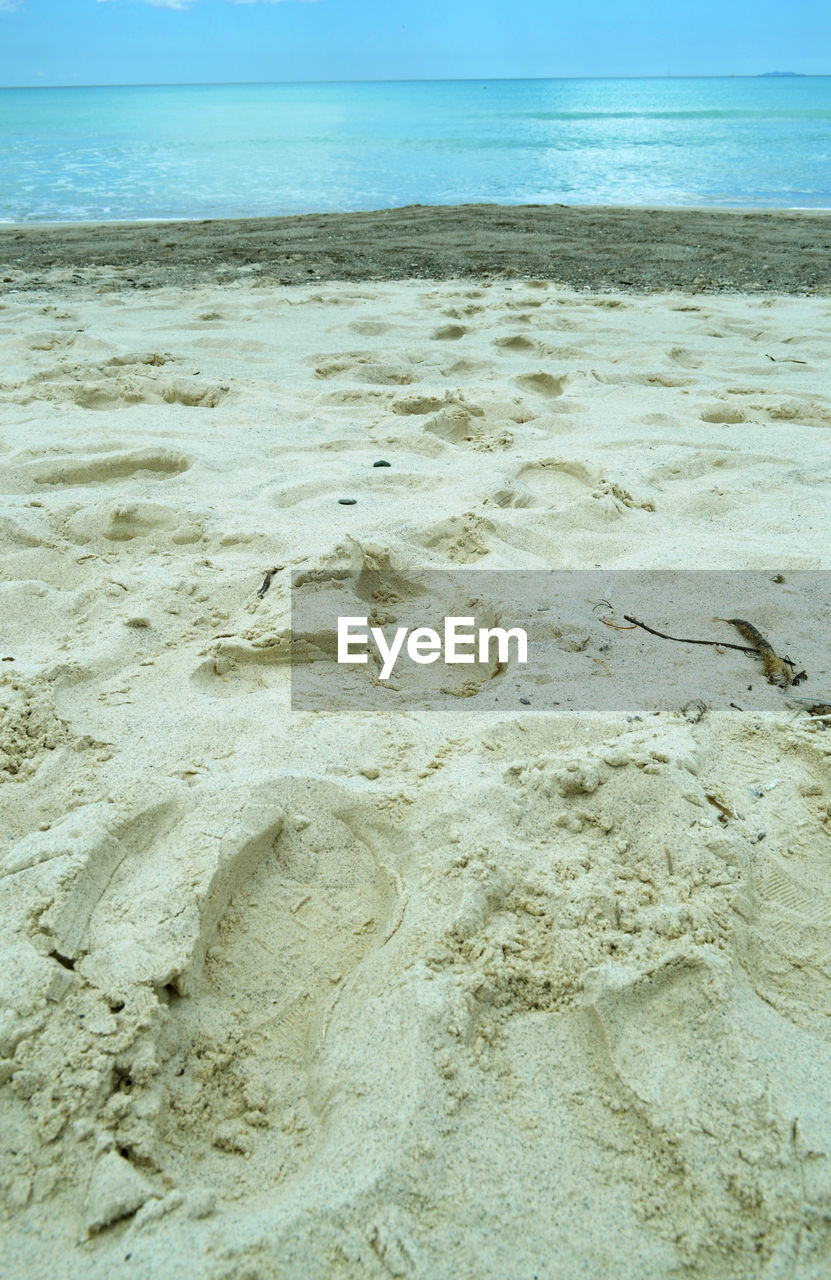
(516, 993)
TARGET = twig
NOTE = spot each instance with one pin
(267, 581)
(717, 804)
(721, 644)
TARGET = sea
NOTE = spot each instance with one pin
(228, 150)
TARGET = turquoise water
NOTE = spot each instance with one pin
(208, 151)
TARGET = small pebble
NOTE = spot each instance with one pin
(526, 702)
(382, 463)
(347, 502)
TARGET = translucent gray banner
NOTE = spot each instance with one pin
(601, 640)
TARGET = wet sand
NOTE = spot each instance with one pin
(643, 250)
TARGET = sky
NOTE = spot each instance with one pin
(69, 42)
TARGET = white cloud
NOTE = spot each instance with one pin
(8, 6)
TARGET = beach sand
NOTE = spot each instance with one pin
(516, 993)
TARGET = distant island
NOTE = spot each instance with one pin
(781, 73)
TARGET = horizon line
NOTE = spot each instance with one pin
(204, 84)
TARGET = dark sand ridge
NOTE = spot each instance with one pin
(582, 247)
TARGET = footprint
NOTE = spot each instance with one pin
(222, 894)
(417, 405)
(124, 521)
(312, 491)
(449, 332)
(704, 462)
(705, 1092)
(101, 468)
(723, 414)
(517, 342)
(781, 937)
(47, 340)
(386, 375)
(470, 425)
(239, 667)
(553, 477)
(454, 424)
(312, 907)
(117, 384)
(640, 379)
(193, 394)
(144, 893)
(352, 395)
(370, 328)
(153, 358)
(332, 366)
(463, 368)
(684, 358)
(811, 413)
(366, 371)
(462, 539)
(510, 497)
(543, 384)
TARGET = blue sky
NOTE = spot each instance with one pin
(179, 41)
